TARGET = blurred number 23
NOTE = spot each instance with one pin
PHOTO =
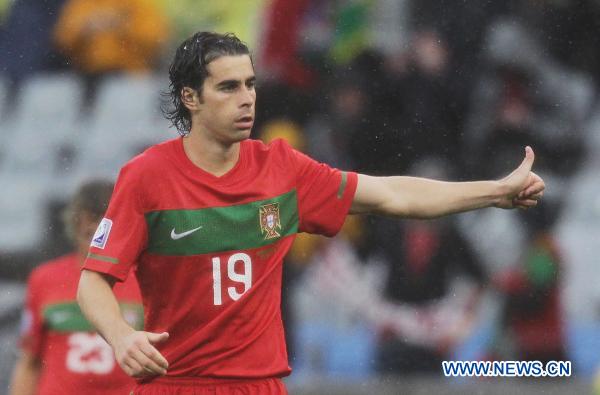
(89, 353)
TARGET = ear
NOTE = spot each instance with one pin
(190, 98)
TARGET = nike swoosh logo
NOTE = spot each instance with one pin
(177, 236)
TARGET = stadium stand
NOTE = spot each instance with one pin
(3, 120)
(50, 145)
(125, 120)
(44, 120)
(2, 96)
(22, 212)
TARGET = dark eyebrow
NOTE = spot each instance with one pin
(234, 83)
(228, 83)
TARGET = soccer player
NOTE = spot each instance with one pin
(61, 353)
(205, 220)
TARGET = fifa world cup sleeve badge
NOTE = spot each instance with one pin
(101, 236)
(269, 220)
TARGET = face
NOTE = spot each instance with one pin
(226, 106)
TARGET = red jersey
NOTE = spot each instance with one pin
(75, 359)
(208, 250)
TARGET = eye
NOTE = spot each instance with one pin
(251, 84)
(228, 88)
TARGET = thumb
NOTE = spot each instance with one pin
(157, 337)
(527, 163)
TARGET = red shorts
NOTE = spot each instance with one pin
(204, 386)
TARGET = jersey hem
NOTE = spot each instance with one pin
(103, 267)
(202, 381)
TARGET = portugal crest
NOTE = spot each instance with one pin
(269, 220)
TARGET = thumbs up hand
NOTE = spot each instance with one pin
(523, 187)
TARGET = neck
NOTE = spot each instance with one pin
(210, 154)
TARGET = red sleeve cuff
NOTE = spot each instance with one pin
(106, 265)
(346, 197)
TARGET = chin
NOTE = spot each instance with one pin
(244, 134)
(239, 135)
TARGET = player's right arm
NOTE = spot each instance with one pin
(133, 349)
(114, 251)
(25, 376)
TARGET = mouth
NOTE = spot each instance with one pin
(244, 122)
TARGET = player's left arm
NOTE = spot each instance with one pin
(413, 197)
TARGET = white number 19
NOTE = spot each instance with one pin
(244, 278)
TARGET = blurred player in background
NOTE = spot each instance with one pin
(206, 219)
(531, 326)
(61, 353)
(425, 259)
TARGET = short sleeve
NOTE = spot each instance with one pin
(325, 195)
(32, 332)
(122, 233)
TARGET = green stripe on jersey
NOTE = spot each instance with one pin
(103, 258)
(67, 317)
(342, 187)
(217, 229)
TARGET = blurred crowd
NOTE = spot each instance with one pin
(441, 89)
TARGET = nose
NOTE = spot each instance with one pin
(248, 97)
